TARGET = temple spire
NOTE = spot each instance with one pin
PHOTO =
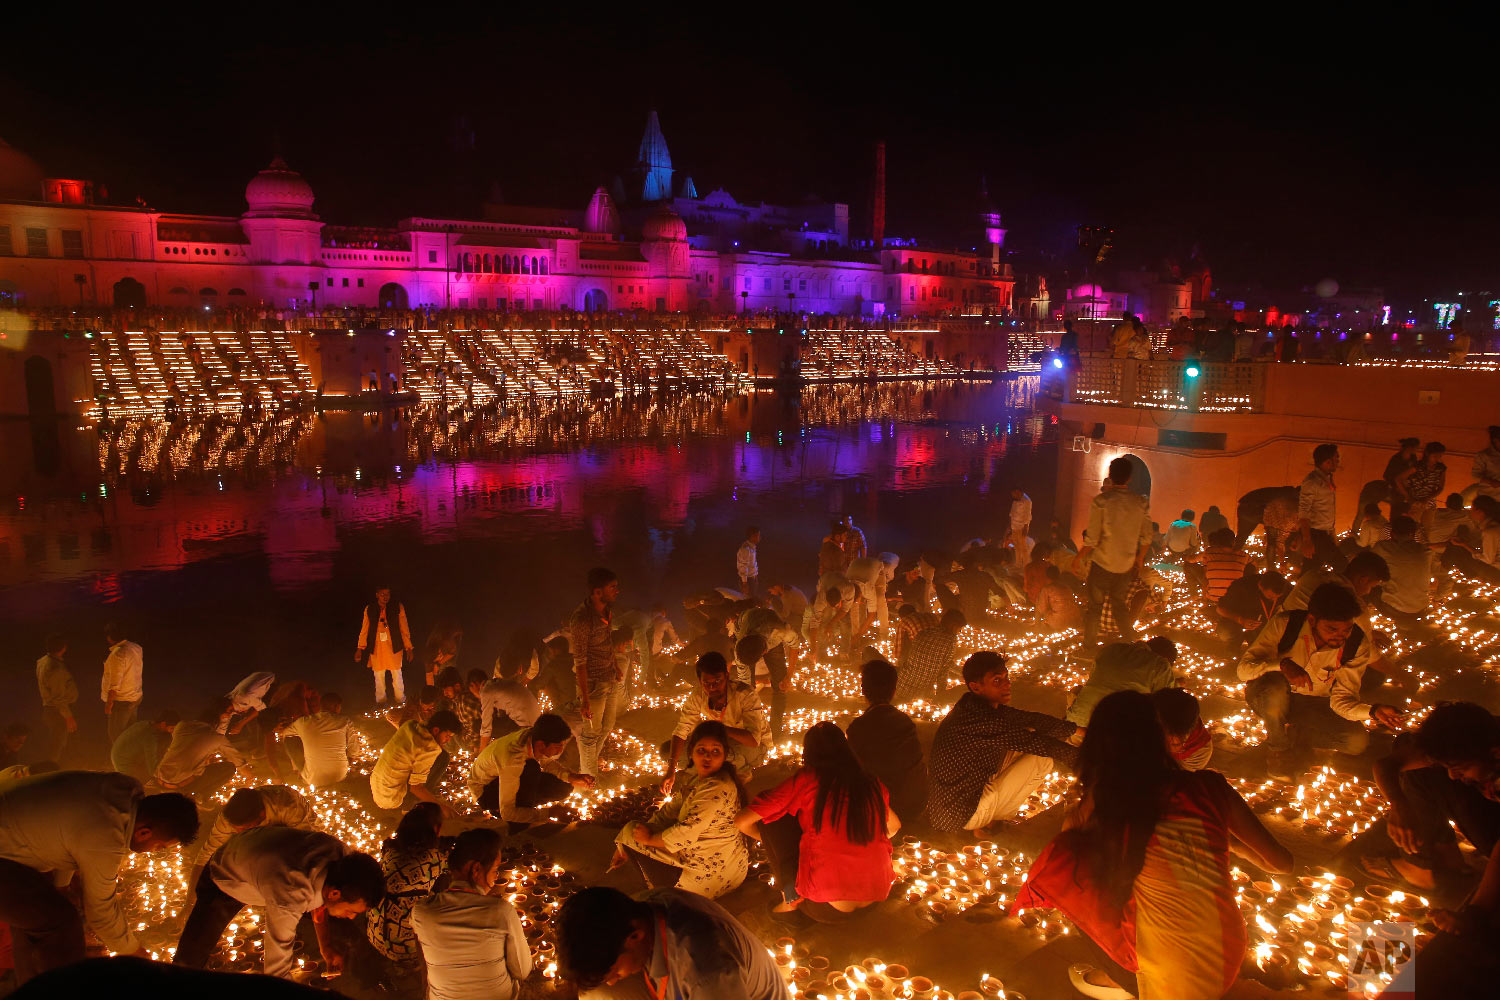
(654, 164)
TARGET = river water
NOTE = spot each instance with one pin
(225, 549)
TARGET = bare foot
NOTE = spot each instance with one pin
(1098, 977)
(787, 906)
(1418, 876)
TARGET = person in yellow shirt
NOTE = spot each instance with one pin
(408, 758)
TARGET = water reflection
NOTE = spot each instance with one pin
(486, 510)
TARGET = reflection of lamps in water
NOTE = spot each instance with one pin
(1191, 370)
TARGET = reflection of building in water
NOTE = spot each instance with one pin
(141, 495)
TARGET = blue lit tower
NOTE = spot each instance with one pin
(653, 166)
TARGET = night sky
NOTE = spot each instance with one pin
(1288, 155)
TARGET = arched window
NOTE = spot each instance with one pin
(543, 262)
(489, 264)
(505, 264)
(525, 264)
(236, 291)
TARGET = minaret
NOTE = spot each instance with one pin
(654, 164)
(989, 217)
(877, 198)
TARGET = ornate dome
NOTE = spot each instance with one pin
(664, 224)
(279, 190)
(20, 176)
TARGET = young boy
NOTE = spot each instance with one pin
(1188, 738)
(1373, 528)
(884, 738)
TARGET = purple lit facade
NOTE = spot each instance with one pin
(656, 246)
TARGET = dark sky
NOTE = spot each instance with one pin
(1289, 152)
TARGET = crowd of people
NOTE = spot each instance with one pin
(1141, 867)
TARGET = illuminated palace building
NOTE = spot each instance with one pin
(652, 243)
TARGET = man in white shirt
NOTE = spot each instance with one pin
(289, 873)
(65, 823)
(407, 760)
(330, 741)
(247, 809)
(521, 770)
(872, 576)
(1486, 470)
(247, 700)
(505, 705)
(1020, 519)
(1115, 543)
(1305, 669)
(120, 688)
(736, 705)
(745, 563)
(1317, 506)
(1182, 537)
(186, 767)
(473, 942)
(1410, 563)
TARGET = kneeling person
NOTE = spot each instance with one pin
(520, 771)
(719, 699)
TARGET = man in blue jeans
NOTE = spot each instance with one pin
(1115, 543)
(1305, 669)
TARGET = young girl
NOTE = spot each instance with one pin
(412, 861)
(827, 830)
(692, 840)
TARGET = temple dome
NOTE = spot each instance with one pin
(279, 190)
(664, 224)
(20, 176)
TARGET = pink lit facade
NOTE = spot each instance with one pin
(657, 248)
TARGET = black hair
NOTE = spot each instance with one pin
(834, 595)
(849, 795)
(18, 729)
(1459, 732)
(245, 807)
(1177, 709)
(1333, 602)
(981, 664)
(356, 876)
(877, 682)
(592, 926)
(598, 578)
(449, 677)
(1163, 647)
(711, 663)
(1126, 769)
(1434, 448)
(712, 729)
(331, 702)
(954, 619)
(428, 695)
(418, 829)
(550, 729)
(480, 846)
(446, 721)
(1120, 470)
(167, 717)
(1053, 573)
(171, 814)
(214, 710)
(1372, 510)
(1455, 501)
(476, 676)
(1324, 452)
(1188, 514)
(750, 649)
(1224, 538)
(56, 643)
(1273, 581)
(1403, 526)
(1368, 564)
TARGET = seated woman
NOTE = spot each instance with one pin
(692, 842)
(412, 860)
(827, 830)
(1142, 864)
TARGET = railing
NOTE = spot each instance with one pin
(1218, 387)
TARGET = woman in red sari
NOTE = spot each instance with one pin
(1142, 864)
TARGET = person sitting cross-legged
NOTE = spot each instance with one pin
(827, 830)
(720, 699)
(691, 841)
(884, 739)
(471, 937)
(520, 771)
(1303, 675)
(988, 757)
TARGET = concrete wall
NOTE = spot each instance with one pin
(1363, 409)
